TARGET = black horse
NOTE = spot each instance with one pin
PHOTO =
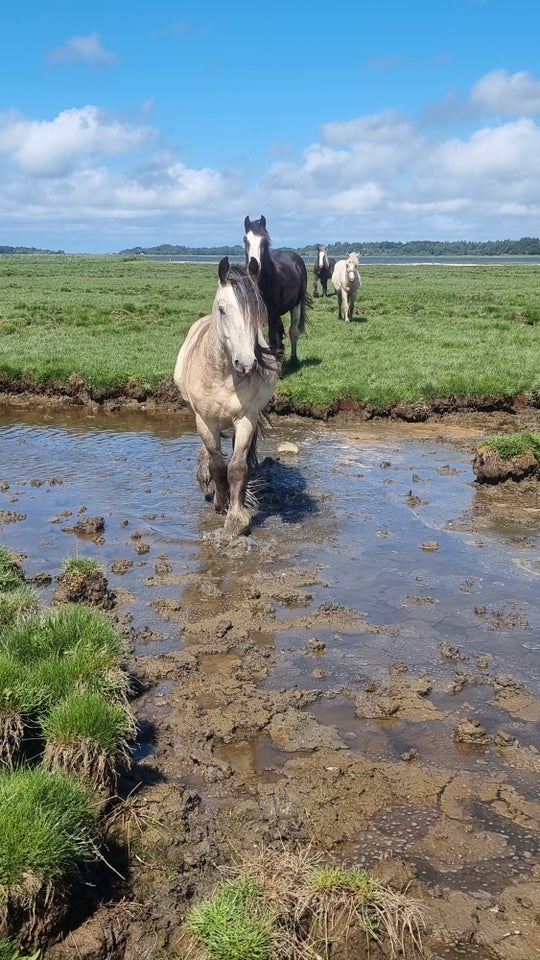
(283, 284)
(322, 270)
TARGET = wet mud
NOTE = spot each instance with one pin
(360, 674)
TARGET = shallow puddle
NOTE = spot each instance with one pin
(384, 520)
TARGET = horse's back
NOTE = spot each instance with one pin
(186, 369)
(292, 273)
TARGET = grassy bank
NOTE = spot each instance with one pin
(419, 332)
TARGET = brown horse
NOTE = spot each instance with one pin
(226, 373)
(322, 270)
(283, 285)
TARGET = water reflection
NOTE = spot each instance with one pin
(390, 516)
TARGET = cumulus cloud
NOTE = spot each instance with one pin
(51, 148)
(381, 176)
(89, 49)
(516, 94)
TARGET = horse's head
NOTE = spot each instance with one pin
(239, 313)
(322, 256)
(256, 239)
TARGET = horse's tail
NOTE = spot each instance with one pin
(305, 304)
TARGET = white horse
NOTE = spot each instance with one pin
(347, 281)
(227, 374)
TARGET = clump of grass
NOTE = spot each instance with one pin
(18, 704)
(11, 576)
(236, 924)
(75, 566)
(285, 903)
(88, 736)
(77, 626)
(10, 951)
(510, 445)
(48, 833)
(47, 827)
(17, 603)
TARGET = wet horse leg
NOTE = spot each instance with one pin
(238, 515)
(217, 465)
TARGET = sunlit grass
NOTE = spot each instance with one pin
(514, 444)
(419, 332)
(47, 826)
(88, 736)
(286, 903)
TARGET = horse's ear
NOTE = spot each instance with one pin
(263, 222)
(223, 269)
(253, 268)
(246, 224)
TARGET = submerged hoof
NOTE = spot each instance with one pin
(237, 524)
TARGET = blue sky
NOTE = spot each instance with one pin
(125, 124)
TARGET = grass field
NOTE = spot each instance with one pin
(419, 331)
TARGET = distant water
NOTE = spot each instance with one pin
(404, 261)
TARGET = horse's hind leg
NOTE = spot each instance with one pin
(339, 303)
(316, 287)
(296, 317)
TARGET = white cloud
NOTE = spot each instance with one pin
(51, 148)
(87, 48)
(516, 94)
(371, 177)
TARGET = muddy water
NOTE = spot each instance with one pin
(440, 578)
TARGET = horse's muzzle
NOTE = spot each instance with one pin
(245, 370)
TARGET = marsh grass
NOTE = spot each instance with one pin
(48, 826)
(510, 445)
(88, 736)
(75, 566)
(17, 603)
(285, 904)
(11, 576)
(51, 656)
(419, 331)
(48, 833)
(10, 951)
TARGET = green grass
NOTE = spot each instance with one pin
(9, 951)
(74, 566)
(47, 827)
(419, 332)
(284, 903)
(235, 924)
(88, 736)
(514, 444)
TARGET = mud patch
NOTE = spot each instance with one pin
(329, 680)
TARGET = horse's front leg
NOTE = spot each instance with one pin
(217, 465)
(238, 515)
(339, 302)
(346, 307)
(315, 288)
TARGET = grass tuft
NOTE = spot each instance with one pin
(286, 903)
(510, 445)
(236, 924)
(88, 736)
(47, 827)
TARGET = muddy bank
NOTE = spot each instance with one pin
(360, 674)
(134, 394)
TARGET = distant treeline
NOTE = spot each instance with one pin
(384, 248)
(27, 250)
